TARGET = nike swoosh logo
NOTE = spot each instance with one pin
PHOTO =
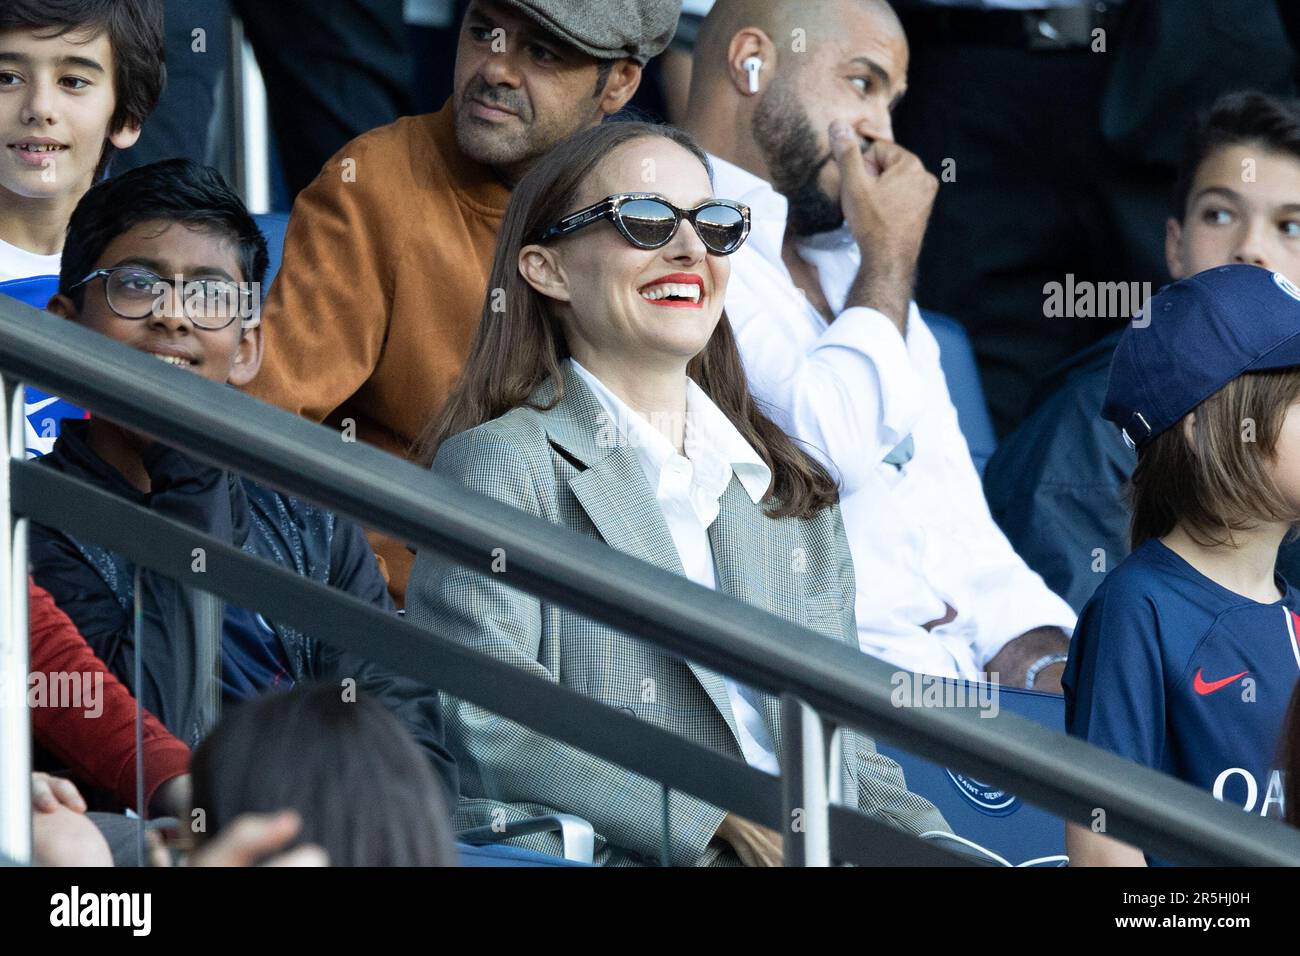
(1202, 687)
(32, 408)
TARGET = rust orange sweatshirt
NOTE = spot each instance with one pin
(381, 289)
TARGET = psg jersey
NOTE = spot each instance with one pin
(1181, 674)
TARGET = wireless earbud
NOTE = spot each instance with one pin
(752, 66)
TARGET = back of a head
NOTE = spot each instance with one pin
(1216, 480)
(1202, 385)
(365, 793)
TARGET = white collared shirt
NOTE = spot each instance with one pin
(921, 536)
(689, 491)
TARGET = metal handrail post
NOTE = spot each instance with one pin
(15, 722)
(805, 783)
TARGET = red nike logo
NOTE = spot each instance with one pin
(1202, 687)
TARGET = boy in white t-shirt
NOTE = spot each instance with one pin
(77, 80)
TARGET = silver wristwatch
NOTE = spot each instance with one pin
(1047, 660)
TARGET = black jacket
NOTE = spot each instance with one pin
(1057, 484)
(95, 588)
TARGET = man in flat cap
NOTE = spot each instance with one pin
(388, 251)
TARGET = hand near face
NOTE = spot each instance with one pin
(887, 196)
(886, 193)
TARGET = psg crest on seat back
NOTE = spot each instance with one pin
(986, 798)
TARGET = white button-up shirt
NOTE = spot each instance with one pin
(689, 490)
(921, 536)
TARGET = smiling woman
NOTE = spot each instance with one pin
(586, 269)
(604, 393)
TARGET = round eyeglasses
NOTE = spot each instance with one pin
(211, 304)
(648, 221)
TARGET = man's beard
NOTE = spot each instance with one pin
(789, 146)
(490, 145)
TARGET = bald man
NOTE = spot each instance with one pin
(793, 100)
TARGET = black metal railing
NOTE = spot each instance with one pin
(219, 425)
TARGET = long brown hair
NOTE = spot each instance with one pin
(1218, 482)
(520, 343)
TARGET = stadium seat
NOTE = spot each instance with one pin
(958, 360)
(982, 812)
(273, 225)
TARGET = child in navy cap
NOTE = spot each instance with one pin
(1186, 656)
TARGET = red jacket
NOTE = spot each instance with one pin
(98, 747)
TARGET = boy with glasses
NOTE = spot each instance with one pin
(181, 221)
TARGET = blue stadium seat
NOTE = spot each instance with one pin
(958, 360)
(273, 225)
(981, 811)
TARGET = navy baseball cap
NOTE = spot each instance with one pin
(1194, 337)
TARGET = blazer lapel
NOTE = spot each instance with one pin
(758, 561)
(617, 498)
(615, 495)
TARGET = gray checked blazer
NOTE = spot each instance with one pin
(550, 464)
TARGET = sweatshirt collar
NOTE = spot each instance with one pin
(475, 184)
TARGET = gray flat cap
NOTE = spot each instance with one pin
(607, 29)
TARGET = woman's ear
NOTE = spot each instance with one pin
(1188, 425)
(541, 269)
